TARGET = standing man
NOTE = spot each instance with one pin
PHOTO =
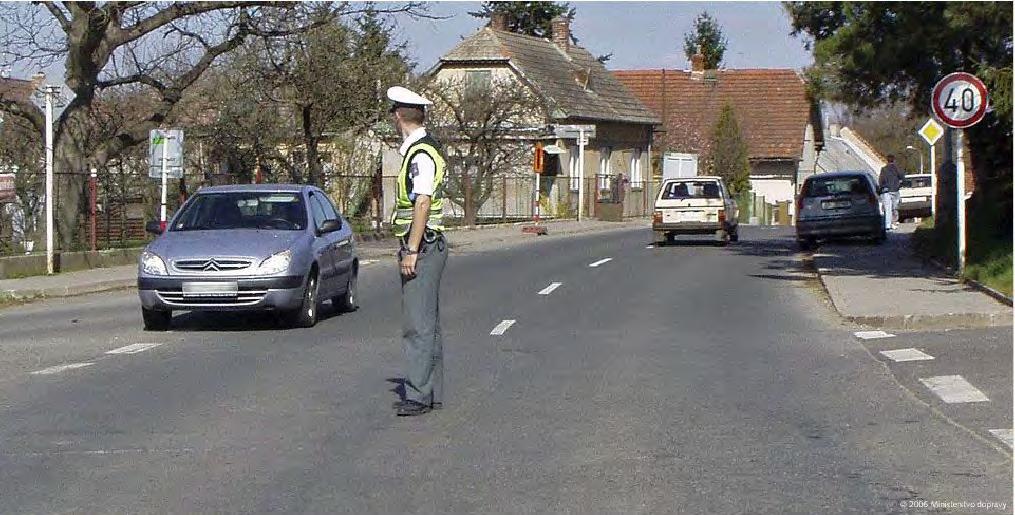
(418, 223)
(888, 184)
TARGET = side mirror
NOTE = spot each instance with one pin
(153, 227)
(329, 226)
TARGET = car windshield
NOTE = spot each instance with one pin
(243, 210)
(831, 186)
(915, 182)
(691, 189)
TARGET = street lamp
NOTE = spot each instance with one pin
(50, 96)
(911, 147)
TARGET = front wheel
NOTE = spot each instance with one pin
(156, 320)
(346, 303)
(306, 315)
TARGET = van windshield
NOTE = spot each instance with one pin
(691, 189)
(243, 210)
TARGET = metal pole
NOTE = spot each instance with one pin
(91, 205)
(165, 159)
(921, 161)
(960, 206)
(49, 179)
(933, 181)
(581, 171)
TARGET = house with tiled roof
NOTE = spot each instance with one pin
(573, 87)
(780, 122)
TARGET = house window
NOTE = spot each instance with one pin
(604, 168)
(635, 167)
(572, 164)
(478, 81)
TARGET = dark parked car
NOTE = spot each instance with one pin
(839, 204)
(280, 248)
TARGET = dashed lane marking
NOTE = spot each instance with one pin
(601, 261)
(900, 355)
(872, 335)
(502, 327)
(954, 389)
(549, 289)
(60, 368)
(133, 349)
(650, 246)
(1005, 435)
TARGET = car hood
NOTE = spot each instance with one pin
(256, 244)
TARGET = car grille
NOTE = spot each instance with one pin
(242, 298)
(211, 265)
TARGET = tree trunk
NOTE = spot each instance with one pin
(310, 140)
(69, 170)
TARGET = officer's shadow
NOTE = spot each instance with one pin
(399, 388)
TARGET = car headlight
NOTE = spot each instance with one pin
(152, 264)
(276, 264)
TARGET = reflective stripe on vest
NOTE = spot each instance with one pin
(401, 219)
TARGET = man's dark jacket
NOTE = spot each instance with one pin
(891, 177)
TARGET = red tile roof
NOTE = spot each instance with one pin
(16, 89)
(771, 106)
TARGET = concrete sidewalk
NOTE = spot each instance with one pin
(886, 286)
(124, 277)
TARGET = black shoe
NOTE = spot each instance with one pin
(399, 404)
(412, 409)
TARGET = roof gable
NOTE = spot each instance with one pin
(573, 82)
(771, 106)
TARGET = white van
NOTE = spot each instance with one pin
(695, 205)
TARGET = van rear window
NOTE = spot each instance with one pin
(691, 189)
(829, 186)
(915, 182)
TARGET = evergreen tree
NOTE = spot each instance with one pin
(729, 154)
(530, 18)
(706, 39)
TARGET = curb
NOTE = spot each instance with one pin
(983, 288)
(917, 322)
(71, 291)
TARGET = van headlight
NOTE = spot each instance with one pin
(151, 264)
(276, 264)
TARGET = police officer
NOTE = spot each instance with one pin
(418, 224)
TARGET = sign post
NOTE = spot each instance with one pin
(582, 133)
(165, 161)
(960, 101)
(931, 132)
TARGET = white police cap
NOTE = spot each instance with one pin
(405, 96)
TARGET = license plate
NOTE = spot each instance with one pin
(682, 216)
(210, 289)
(836, 204)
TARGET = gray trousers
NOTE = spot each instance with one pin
(421, 325)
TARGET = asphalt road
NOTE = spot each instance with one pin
(683, 379)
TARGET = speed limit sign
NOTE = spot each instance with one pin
(960, 100)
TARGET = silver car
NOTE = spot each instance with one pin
(280, 248)
(839, 204)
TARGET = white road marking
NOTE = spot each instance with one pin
(549, 289)
(502, 327)
(133, 349)
(601, 261)
(60, 368)
(650, 246)
(872, 335)
(953, 389)
(900, 355)
(1005, 435)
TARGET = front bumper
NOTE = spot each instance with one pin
(867, 225)
(253, 293)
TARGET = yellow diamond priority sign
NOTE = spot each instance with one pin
(931, 131)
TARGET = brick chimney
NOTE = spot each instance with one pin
(498, 21)
(38, 80)
(561, 31)
(698, 63)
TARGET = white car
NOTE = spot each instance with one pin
(915, 196)
(695, 205)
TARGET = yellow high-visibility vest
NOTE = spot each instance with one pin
(401, 219)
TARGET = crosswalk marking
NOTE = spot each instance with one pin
(549, 289)
(502, 327)
(1005, 435)
(60, 368)
(872, 335)
(133, 349)
(901, 355)
(954, 389)
(601, 261)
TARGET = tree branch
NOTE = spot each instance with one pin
(58, 14)
(137, 78)
(171, 14)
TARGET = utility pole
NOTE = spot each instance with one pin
(49, 91)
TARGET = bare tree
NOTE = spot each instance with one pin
(161, 49)
(485, 129)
